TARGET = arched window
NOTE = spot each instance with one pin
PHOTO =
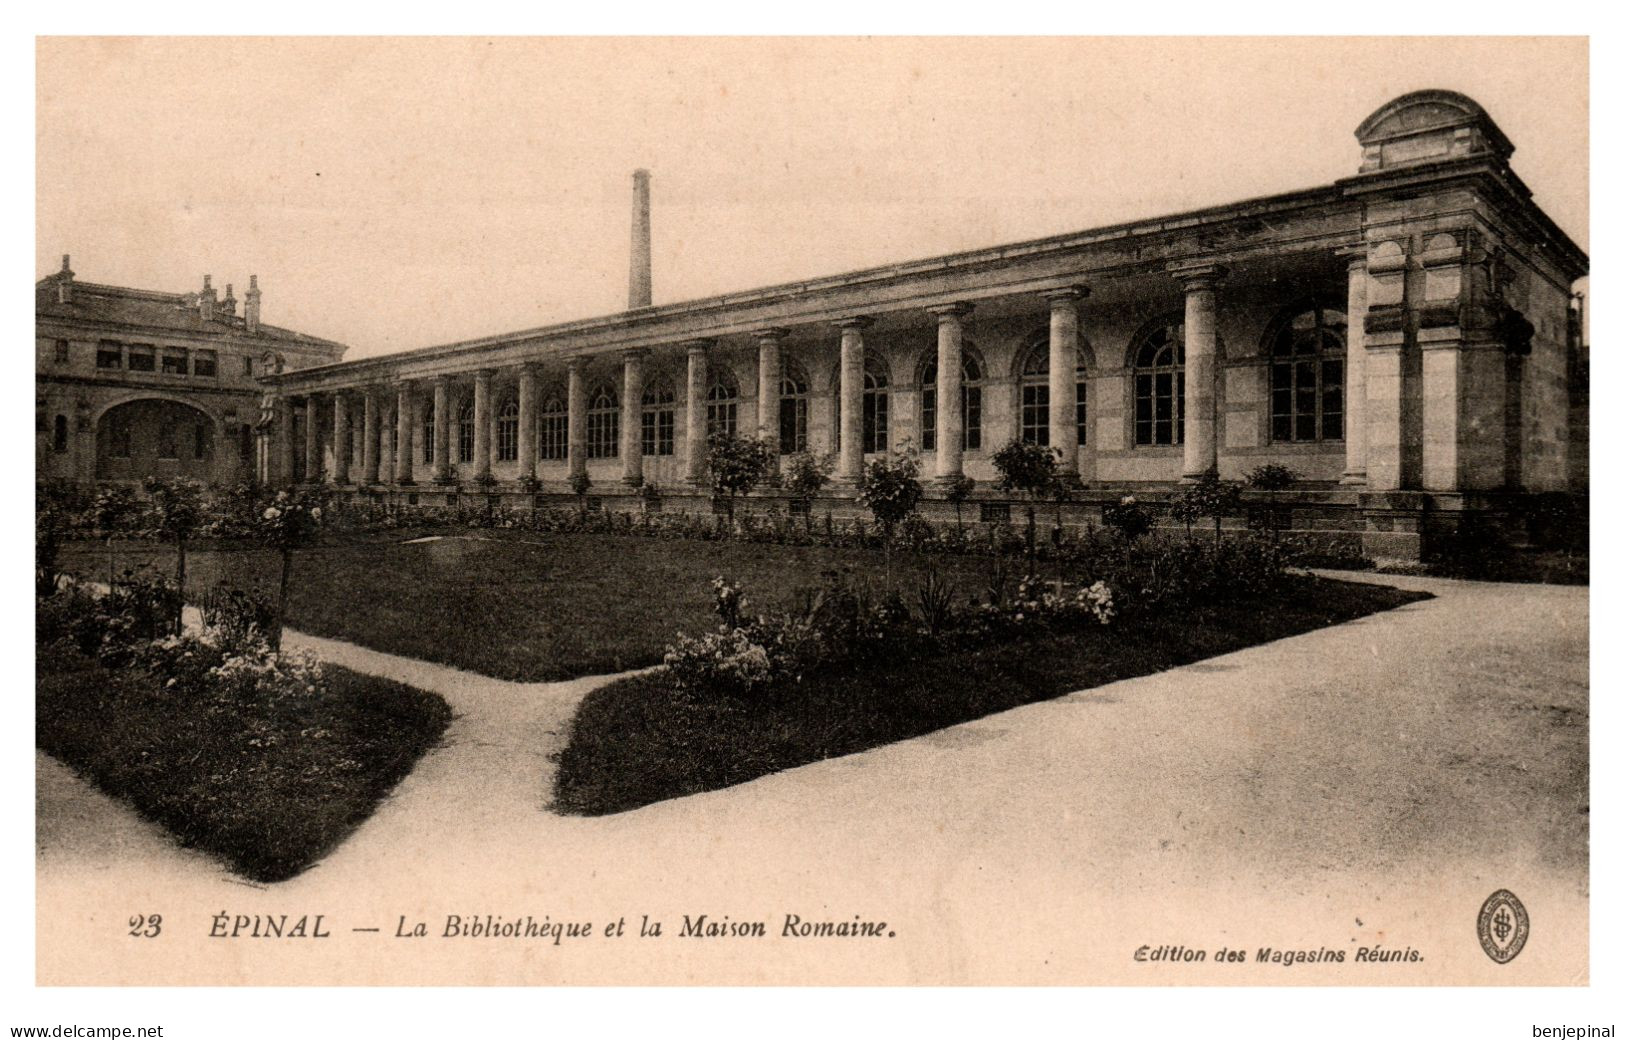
(1306, 376)
(1159, 386)
(722, 405)
(553, 434)
(465, 432)
(603, 424)
(508, 429)
(659, 419)
(793, 397)
(428, 431)
(59, 434)
(1035, 395)
(970, 403)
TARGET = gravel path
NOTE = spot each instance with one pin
(1368, 784)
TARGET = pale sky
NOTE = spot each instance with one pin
(399, 193)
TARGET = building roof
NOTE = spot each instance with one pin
(161, 312)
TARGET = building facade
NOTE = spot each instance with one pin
(1405, 340)
(131, 383)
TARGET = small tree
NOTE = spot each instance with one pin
(735, 465)
(1213, 497)
(805, 475)
(1272, 476)
(114, 506)
(958, 488)
(288, 522)
(579, 484)
(891, 490)
(176, 507)
(48, 523)
(1031, 471)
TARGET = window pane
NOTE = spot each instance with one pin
(928, 419)
(972, 396)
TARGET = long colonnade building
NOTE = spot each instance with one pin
(1405, 340)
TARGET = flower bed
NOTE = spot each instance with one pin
(264, 759)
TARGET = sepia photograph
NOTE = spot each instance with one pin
(812, 511)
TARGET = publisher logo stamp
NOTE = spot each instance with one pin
(1503, 926)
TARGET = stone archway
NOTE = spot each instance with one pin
(157, 437)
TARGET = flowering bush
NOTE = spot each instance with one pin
(890, 488)
(1128, 518)
(289, 520)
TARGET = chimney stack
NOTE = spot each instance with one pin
(229, 304)
(64, 282)
(205, 300)
(639, 294)
(251, 304)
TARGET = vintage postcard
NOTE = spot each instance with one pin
(812, 511)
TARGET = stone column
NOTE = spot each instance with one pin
(1354, 375)
(527, 422)
(578, 419)
(694, 448)
(1388, 368)
(370, 433)
(284, 441)
(313, 441)
(950, 430)
(482, 426)
(442, 430)
(341, 438)
(1201, 369)
(1063, 376)
(850, 467)
(769, 384)
(403, 432)
(632, 418)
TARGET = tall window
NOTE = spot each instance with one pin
(1159, 386)
(970, 404)
(1035, 396)
(248, 366)
(876, 407)
(1306, 376)
(722, 405)
(62, 352)
(200, 440)
(168, 446)
(119, 436)
(554, 433)
(793, 397)
(508, 430)
(659, 419)
(59, 434)
(603, 424)
(465, 432)
(428, 432)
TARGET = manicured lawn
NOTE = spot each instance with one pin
(637, 741)
(268, 790)
(518, 605)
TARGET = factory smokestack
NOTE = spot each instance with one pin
(638, 293)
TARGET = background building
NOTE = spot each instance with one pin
(132, 383)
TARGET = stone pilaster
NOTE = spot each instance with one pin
(370, 432)
(1063, 376)
(577, 426)
(694, 442)
(1387, 374)
(442, 430)
(313, 440)
(341, 438)
(403, 432)
(1200, 283)
(950, 431)
(1354, 374)
(632, 418)
(527, 422)
(769, 384)
(482, 426)
(850, 467)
